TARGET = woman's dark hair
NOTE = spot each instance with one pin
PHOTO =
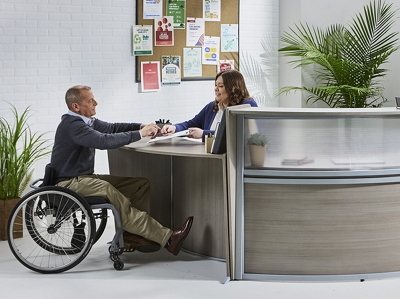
(234, 86)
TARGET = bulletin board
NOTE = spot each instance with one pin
(194, 9)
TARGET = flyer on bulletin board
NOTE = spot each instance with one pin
(192, 66)
(229, 38)
(164, 31)
(212, 10)
(195, 30)
(171, 69)
(142, 40)
(211, 50)
(150, 74)
(152, 9)
(225, 65)
(177, 10)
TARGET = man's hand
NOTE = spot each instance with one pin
(150, 130)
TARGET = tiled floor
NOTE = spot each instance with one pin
(162, 275)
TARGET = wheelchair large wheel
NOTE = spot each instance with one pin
(58, 229)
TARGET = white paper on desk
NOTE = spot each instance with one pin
(198, 140)
(177, 134)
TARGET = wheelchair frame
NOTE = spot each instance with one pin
(59, 227)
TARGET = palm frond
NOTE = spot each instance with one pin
(349, 59)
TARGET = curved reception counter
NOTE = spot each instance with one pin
(184, 181)
(325, 204)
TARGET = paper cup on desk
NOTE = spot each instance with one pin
(208, 144)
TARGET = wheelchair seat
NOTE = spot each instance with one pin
(59, 227)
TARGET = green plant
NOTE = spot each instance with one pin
(257, 139)
(348, 60)
(19, 149)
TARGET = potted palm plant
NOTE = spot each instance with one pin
(20, 148)
(257, 144)
(347, 61)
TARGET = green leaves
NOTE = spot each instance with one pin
(347, 60)
(19, 150)
(257, 139)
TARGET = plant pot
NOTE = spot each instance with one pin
(257, 155)
(6, 207)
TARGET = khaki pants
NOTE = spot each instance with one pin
(130, 196)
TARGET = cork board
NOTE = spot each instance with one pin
(194, 9)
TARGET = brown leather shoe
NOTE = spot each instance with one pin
(179, 235)
(134, 242)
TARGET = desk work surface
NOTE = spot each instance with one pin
(177, 146)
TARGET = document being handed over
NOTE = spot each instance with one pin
(177, 134)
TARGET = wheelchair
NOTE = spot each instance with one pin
(52, 228)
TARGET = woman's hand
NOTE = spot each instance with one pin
(195, 133)
(168, 130)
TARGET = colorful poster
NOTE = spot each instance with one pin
(171, 69)
(224, 65)
(192, 66)
(229, 38)
(177, 10)
(150, 74)
(152, 9)
(195, 28)
(212, 10)
(142, 40)
(163, 31)
(211, 50)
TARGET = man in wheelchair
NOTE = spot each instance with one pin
(72, 159)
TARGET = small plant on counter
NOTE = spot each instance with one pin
(257, 139)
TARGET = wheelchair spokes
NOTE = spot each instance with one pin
(61, 229)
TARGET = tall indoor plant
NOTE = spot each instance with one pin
(20, 148)
(347, 60)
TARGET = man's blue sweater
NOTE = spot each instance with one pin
(75, 143)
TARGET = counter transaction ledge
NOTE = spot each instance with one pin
(326, 203)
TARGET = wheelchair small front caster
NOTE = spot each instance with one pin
(118, 265)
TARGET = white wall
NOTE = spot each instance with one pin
(324, 13)
(47, 46)
(289, 14)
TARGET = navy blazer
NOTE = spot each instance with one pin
(205, 118)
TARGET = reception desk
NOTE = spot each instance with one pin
(184, 181)
(335, 217)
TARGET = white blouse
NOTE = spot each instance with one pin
(217, 118)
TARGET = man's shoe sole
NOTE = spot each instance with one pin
(146, 248)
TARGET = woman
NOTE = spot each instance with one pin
(230, 90)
